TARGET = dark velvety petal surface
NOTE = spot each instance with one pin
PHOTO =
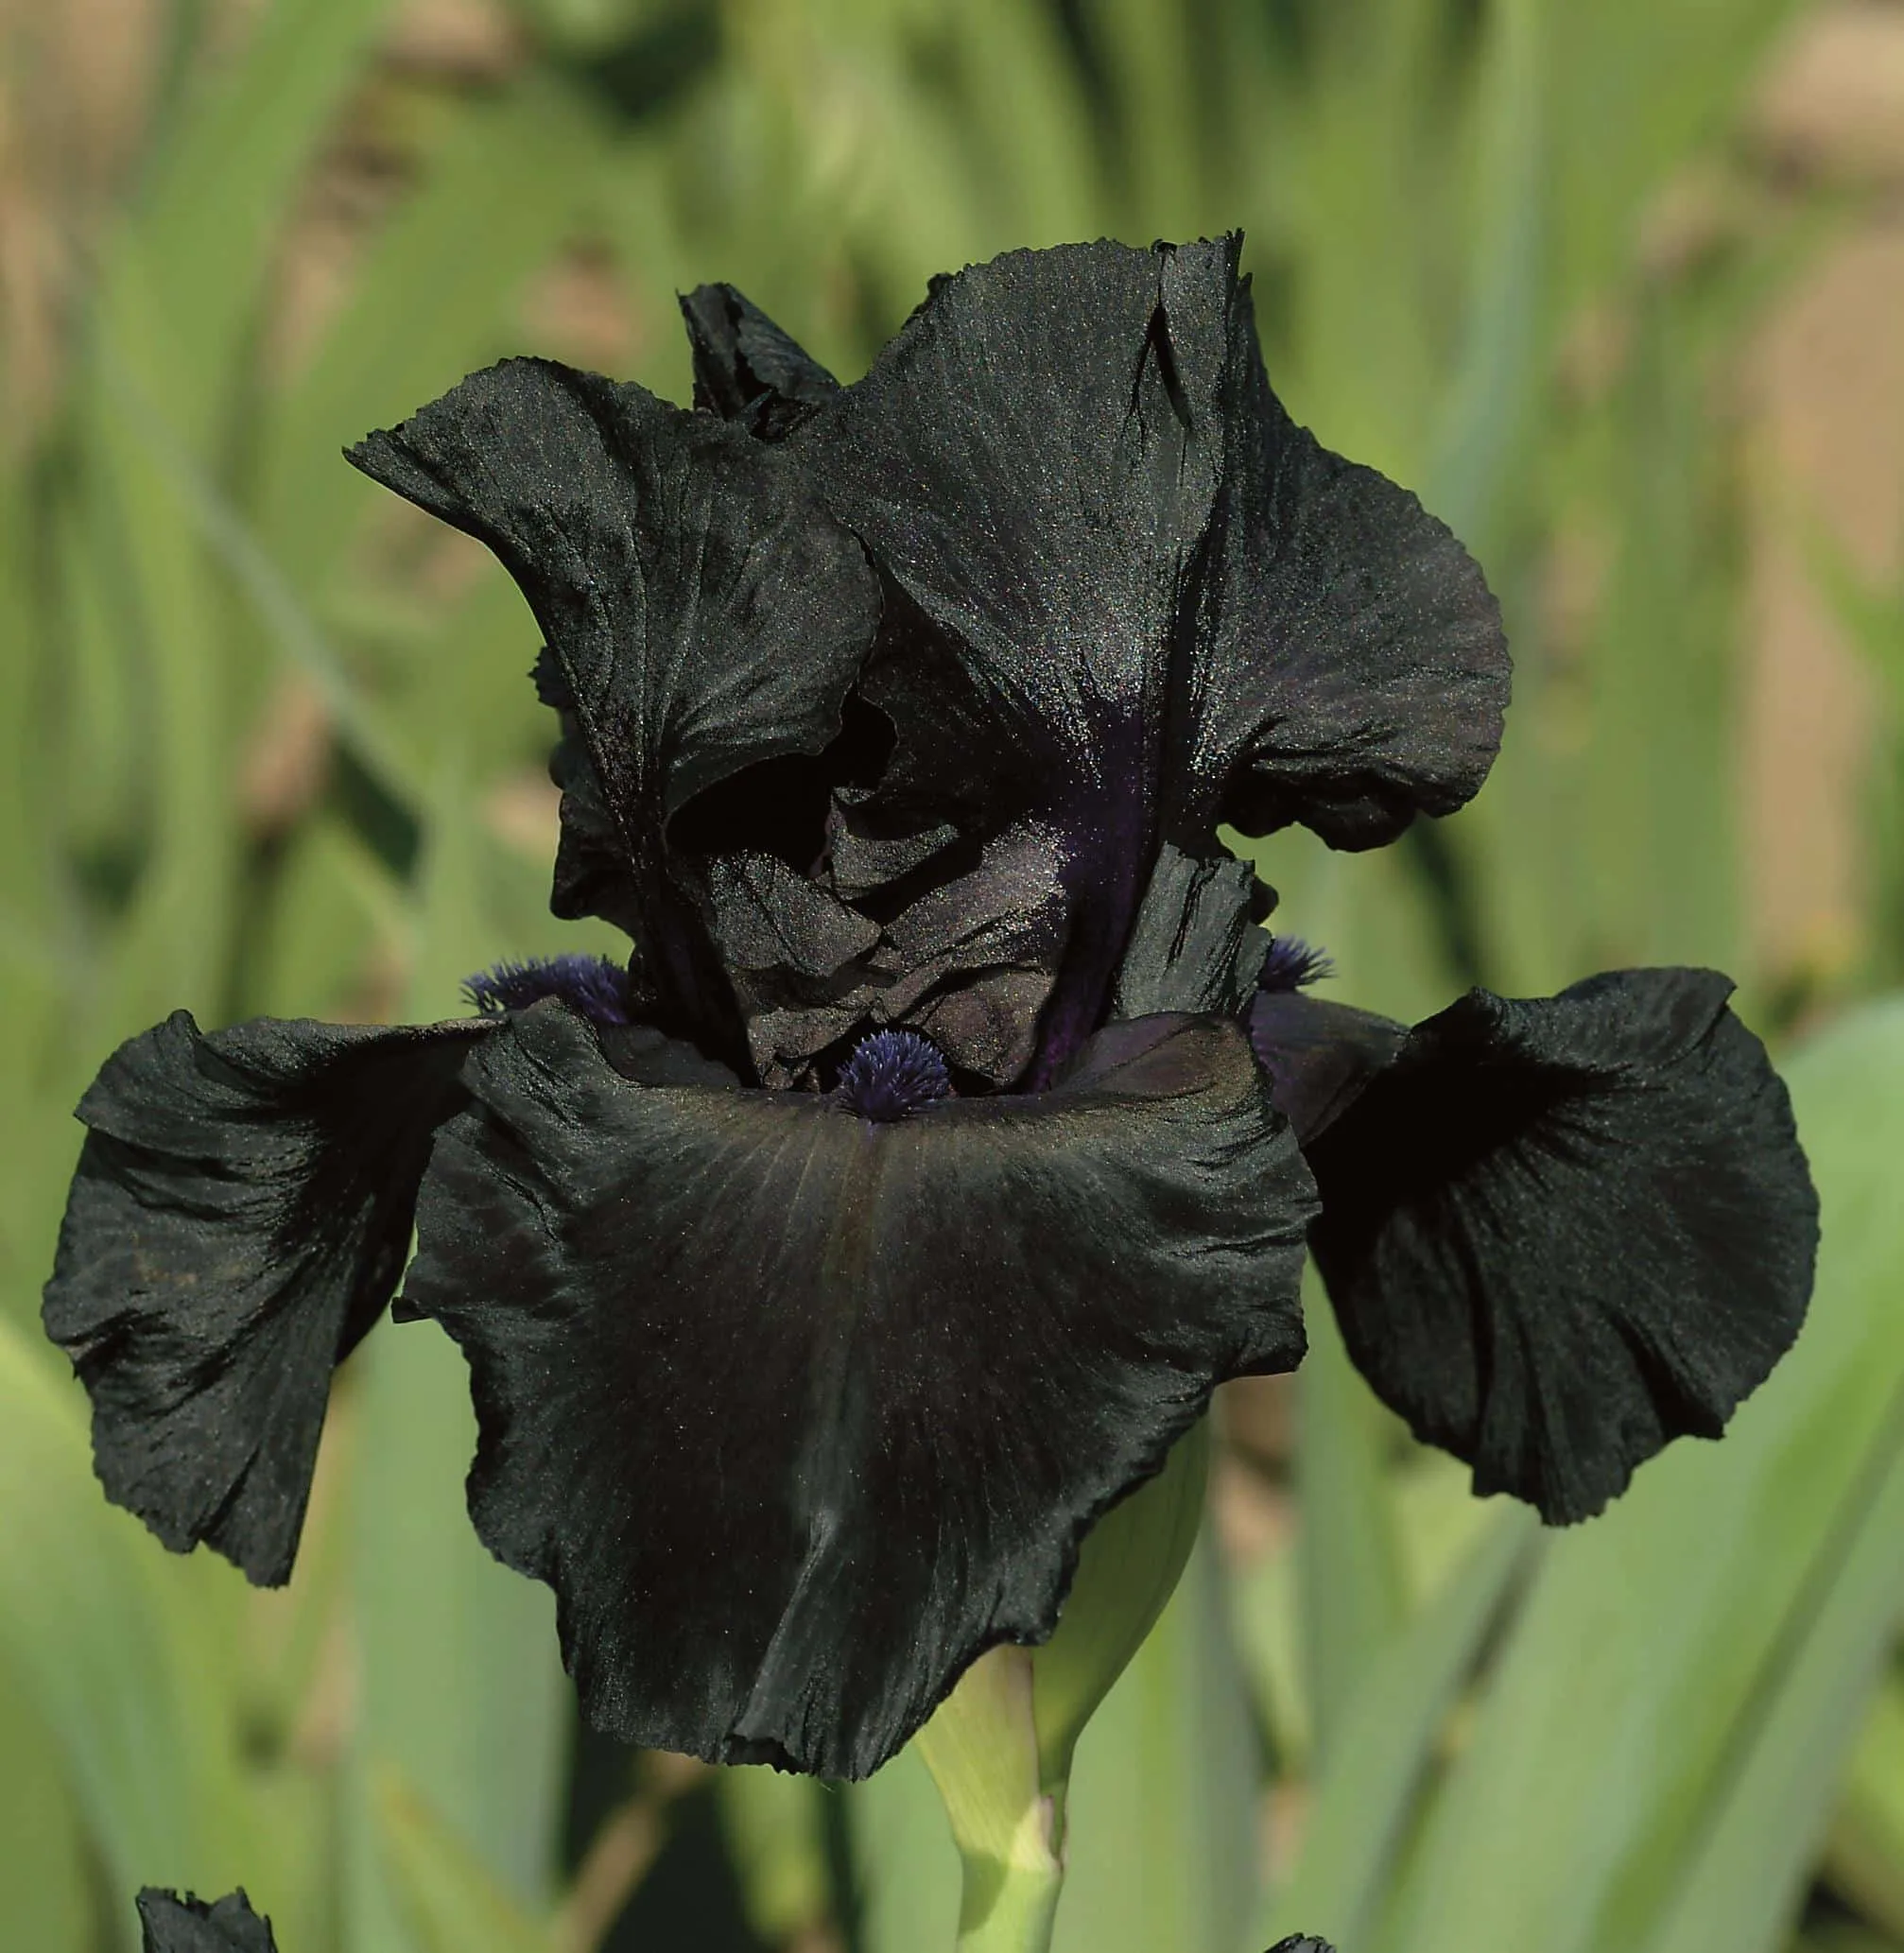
(239, 1220)
(174, 1925)
(1351, 670)
(745, 368)
(1318, 1056)
(706, 613)
(1560, 1232)
(1130, 597)
(1032, 462)
(1027, 461)
(594, 871)
(1195, 945)
(798, 1412)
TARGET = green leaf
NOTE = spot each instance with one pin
(1368, 1788)
(123, 1651)
(1160, 1835)
(1348, 1559)
(454, 1903)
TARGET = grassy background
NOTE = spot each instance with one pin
(1616, 287)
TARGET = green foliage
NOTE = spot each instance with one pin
(265, 746)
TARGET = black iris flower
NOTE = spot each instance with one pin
(953, 1128)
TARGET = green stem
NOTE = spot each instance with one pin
(1008, 1908)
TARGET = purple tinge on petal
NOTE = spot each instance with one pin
(596, 986)
(891, 1074)
(1293, 964)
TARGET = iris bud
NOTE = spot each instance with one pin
(999, 1747)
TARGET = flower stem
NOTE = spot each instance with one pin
(1008, 1907)
(981, 1747)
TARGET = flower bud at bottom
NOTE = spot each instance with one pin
(1000, 1746)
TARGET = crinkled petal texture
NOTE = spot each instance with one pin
(174, 1925)
(705, 611)
(239, 1220)
(745, 368)
(1133, 599)
(1351, 670)
(1558, 1232)
(799, 1414)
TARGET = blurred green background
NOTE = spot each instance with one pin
(1616, 285)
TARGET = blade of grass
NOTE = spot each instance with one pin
(42, 1846)
(905, 1876)
(440, 294)
(1742, 1887)
(452, 1901)
(1864, 1854)
(203, 232)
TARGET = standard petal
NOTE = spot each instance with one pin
(175, 1924)
(1560, 1232)
(1023, 461)
(1351, 670)
(1032, 462)
(706, 613)
(798, 1413)
(745, 368)
(237, 1221)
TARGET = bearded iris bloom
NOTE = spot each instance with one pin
(954, 1127)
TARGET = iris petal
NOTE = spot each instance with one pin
(1560, 1232)
(705, 611)
(1351, 670)
(174, 1925)
(1131, 598)
(799, 1414)
(1032, 463)
(1195, 945)
(239, 1220)
(1318, 1056)
(745, 368)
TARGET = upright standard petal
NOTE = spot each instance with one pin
(1133, 599)
(239, 1220)
(746, 369)
(799, 1411)
(1350, 670)
(1034, 463)
(1560, 1232)
(705, 613)
(171, 1924)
